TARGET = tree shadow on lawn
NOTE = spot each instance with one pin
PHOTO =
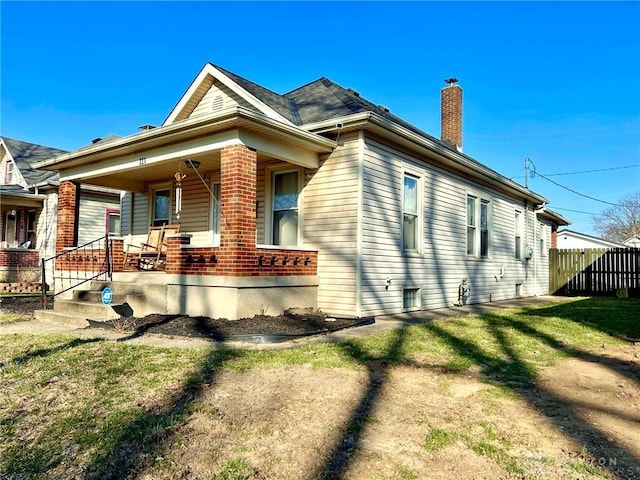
(131, 450)
(608, 315)
(512, 372)
(44, 352)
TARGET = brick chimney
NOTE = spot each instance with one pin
(451, 114)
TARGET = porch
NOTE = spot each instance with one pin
(20, 252)
(240, 250)
(196, 280)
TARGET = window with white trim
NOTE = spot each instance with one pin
(478, 227)
(113, 221)
(541, 240)
(9, 174)
(484, 228)
(284, 220)
(410, 213)
(161, 207)
(518, 234)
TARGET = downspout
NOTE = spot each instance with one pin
(535, 254)
(359, 223)
(537, 209)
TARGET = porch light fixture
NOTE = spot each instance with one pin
(192, 164)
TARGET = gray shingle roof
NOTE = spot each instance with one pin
(319, 101)
(323, 99)
(274, 100)
(26, 154)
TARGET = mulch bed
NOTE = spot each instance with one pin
(272, 327)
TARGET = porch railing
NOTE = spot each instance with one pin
(76, 266)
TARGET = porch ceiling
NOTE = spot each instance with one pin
(138, 178)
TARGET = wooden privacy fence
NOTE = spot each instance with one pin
(595, 272)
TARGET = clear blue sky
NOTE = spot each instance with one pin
(558, 82)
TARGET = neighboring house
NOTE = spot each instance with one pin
(29, 207)
(315, 198)
(633, 242)
(568, 239)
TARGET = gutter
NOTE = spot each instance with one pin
(450, 159)
(189, 128)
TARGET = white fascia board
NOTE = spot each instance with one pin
(23, 198)
(401, 135)
(209, 69)
(554, 217)
(192, 127)
(153, 156)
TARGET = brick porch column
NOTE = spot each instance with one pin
(238, 182)
(66, 235)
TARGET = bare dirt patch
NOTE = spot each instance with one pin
(297, 422)
(602, 393)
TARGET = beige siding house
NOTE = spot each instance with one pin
(315, 198)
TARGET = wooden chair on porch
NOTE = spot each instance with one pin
(150, 255)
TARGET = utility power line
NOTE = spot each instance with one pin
(528, 162)
(534, 173)
(575, 211)
(592, 171)
(583, 171)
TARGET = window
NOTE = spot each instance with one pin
(484, 228)
(215, 212)
(410, 299)
(410, 219)
(31, 228)
(471, 225)
(113, 221)
(285, 208)
(9, 173)
(478, 226)
(541, 243)
(161, 207)
(518, 235)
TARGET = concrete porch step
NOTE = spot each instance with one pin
(94, 310)
(60, 318)
(94, 297)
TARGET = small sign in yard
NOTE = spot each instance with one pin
(106, 296)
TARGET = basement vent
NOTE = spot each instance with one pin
(217, 103)
(410, 299)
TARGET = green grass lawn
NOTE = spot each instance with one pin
(73, 408)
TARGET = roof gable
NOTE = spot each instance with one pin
(215, 86)
(25, 155)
